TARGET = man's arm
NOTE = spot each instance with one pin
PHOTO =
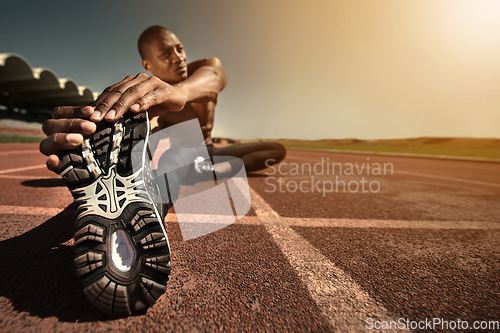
(207, 80)
(142, 92)
(67, 129)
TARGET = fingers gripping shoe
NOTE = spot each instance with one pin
(121, 250)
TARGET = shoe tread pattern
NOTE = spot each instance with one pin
(112, 293)
(109, 290)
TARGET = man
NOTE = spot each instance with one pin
(121, 251)
(176, 92)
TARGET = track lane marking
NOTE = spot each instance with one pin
(360, 223)
(475, 182)
(22, 177)
(389, 224)
(301, 222)
(28, 210)
(19, 152)
(382, 154)
(386, 224)
(341, 300)
(38, 166)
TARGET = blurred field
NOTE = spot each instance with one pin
(20, 138)
(454, 147)
(20, 131)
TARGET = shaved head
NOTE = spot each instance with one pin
(162, 54)
(147, 37)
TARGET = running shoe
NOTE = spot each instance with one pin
(121, 250)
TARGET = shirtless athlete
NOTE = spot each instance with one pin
(121, 250)
(176, 92)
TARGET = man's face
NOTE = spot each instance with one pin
(166, 58)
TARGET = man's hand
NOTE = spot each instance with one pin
(65, 131)
(70, 124)
(138, 93)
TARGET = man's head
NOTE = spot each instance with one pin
(163, 54)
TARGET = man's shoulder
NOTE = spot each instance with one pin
(214, 62)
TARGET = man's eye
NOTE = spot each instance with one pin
(180, 48)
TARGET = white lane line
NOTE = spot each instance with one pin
(23, 169)
(477, 182)
(382, 154)
(358, 223)
(341, 300)
(26, 210)
(387, 224)
(396, 171)
(23, 177)
(19, 152)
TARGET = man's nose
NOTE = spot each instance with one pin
(179, 56)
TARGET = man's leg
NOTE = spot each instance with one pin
(256, 155)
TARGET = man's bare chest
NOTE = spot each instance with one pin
(201, 111)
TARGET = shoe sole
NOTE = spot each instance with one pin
(121, 251)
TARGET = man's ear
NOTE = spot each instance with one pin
(145, 65)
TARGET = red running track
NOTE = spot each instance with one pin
(424, 245)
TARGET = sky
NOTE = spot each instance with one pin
(312, 69)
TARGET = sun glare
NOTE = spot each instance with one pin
(475, 26)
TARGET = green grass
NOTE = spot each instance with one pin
(476, 152)
(17, 139)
